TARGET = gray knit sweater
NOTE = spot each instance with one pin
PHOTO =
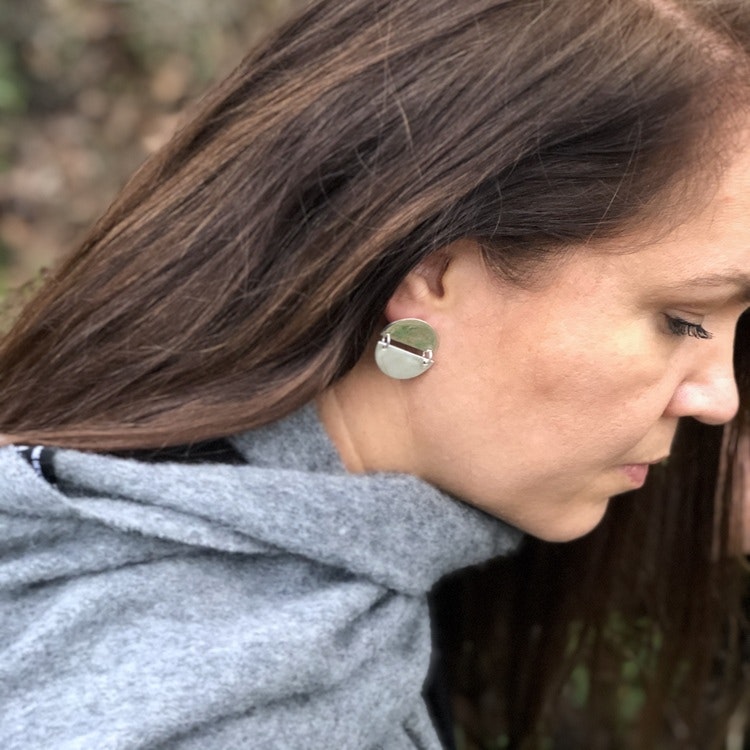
(279, 604)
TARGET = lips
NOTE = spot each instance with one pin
(649, 461)
(637, 473)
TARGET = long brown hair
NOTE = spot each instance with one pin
(245, 266)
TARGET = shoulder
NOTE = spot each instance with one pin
(209, 636)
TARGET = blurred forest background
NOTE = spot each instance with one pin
(89, 88)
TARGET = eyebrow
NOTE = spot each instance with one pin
(740, 280)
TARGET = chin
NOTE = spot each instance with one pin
(574, 524)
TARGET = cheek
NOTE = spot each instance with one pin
(614, 387)
(588, 387)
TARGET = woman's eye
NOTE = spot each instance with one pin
(680, 327)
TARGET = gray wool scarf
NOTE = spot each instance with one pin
(277, 604)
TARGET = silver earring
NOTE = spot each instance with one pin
(405, 348)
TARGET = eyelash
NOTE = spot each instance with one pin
(680, 327)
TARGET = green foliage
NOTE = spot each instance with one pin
(13, 89)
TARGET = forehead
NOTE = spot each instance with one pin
(701, 248)
(707, 251)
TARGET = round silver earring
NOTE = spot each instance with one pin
(405, 348)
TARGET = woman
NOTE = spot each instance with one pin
(417, 277)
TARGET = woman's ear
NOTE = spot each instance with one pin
(424, 290)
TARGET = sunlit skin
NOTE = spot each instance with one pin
(547, 401)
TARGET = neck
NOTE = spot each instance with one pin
(366, 417)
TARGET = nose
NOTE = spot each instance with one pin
(708, 394)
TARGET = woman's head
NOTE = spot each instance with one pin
(547, 399)
(248, 264)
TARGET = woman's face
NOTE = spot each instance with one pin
(544, 403)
